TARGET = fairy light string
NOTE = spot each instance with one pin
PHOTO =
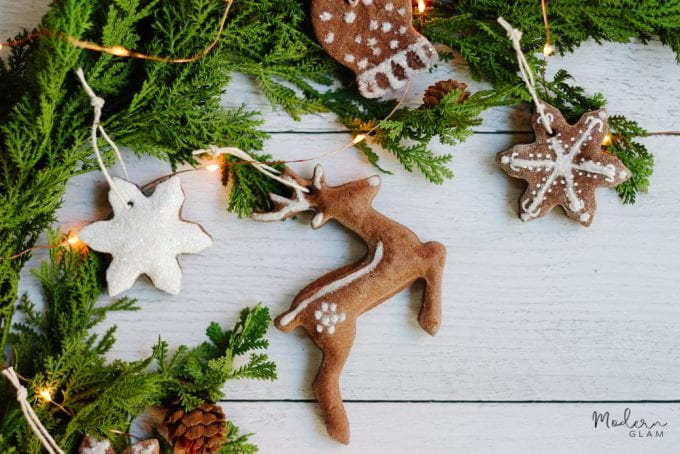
(548, 49)
(122, 51)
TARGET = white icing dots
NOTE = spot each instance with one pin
(402, 30)
(363, 63)
(505, 159)
(367, 2)
(401, 11)
(330, 37)
(327, 317)
(325, 16)
(374, 181)
(584, 217)
(394, 44)
(623, 175)
(350, 16)
(357, 39)
(376, 51)
(389, 7)
(386, 27)
(373, 25)
(349, 58)
(372, 41)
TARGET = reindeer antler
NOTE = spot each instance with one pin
(302, 200)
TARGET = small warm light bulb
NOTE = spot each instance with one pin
(45, 395)
(119, 51)
(359, 138)
(73, 240)
(1, 46)
(421, 6)
(548, 50)
(607, 140)
(212, 167)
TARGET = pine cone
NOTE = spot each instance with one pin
(202, 430)
(435, 93)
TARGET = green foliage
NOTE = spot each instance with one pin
(469, 27)
(250, 189)
(237, 443)
(633, 154)
(54, 350)
(196, 375)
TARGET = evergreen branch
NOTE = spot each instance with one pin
(199, 374)
(237, 443)
(633, 154)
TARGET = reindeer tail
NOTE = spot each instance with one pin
(289, 320)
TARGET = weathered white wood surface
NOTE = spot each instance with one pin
(541, 311)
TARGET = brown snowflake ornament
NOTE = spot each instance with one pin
(375, 39)
(564, 168)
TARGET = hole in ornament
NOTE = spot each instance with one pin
(382, 80)
(414, 60)
(553, 133)
(130, 204)
(398, 71)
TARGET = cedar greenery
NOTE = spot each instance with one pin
(56, 350)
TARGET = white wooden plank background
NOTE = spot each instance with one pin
(545, 311)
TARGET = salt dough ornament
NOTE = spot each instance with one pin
(91, 445)
(564, 168)
(375, 39)
(328, 307)
(145, 236)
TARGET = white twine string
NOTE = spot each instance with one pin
(38, 429)
(265, 169)
(98, 103)
(527, 75)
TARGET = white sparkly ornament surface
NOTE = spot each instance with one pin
(145, 236)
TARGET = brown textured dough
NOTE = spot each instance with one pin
(375, 39)
(564, 168)
(329, 307)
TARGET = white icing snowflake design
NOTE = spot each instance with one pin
(327, 317)
(567, 164)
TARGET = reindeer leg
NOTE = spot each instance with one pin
(326, 385)
(431, 309)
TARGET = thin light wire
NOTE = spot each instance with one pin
(515, 37)
(33, 421)
(121, 51)
(546, 24)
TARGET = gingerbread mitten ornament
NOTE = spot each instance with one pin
(328, 308)
(375, 39)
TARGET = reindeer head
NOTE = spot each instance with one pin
(348, 201)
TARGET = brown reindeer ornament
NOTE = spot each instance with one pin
(329, 307)
(375, 39)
